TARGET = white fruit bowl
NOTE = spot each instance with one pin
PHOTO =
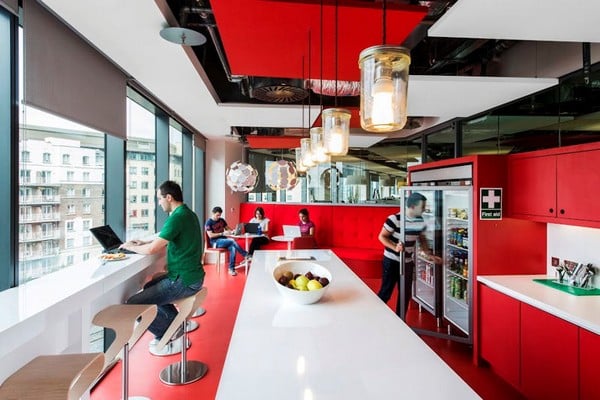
(301, 267)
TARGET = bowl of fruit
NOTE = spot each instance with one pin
(301, 282)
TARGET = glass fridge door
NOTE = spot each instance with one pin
(458, 285)
(427, 276)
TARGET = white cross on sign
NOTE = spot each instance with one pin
(491, 199)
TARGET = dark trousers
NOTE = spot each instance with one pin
(256, 243)
(391, 279)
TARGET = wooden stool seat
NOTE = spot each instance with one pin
(184, 371)
(129, 322)
(53, 377)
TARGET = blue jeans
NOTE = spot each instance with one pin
(232, 246)
(162, 291)
(391, 279)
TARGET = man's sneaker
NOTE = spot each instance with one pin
(170, 348)
(232, 272)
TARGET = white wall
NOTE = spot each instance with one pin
(574, 244)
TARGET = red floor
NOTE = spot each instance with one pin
(211, 340)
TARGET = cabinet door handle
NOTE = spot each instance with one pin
(551, 211)
(562, 211)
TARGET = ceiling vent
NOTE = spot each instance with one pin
(272, 91)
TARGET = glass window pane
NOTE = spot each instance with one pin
(140, 164)
(175, 154)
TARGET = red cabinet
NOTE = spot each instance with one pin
(557, 188)
(577, 183)
(549, 356)
(500, 333)
(532, 186)
(589, 354)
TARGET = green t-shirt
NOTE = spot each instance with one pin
(184, 250)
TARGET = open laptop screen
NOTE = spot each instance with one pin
(291, 231)
(251, 227)
(106, 237)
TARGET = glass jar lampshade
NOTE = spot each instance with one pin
(317, 145)
(336, 131)
(305, 145)
(384, 87)
(300, 167)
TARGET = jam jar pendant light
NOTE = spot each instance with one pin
(384, 85)
(300, 167)
(317, 145)
(336, 130)
(336, 121)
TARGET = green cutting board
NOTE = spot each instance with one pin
(568, 288)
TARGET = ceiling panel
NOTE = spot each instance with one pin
(544, 20)
(270, 38)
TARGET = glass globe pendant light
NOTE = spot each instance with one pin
(307, 160)
(384, 86)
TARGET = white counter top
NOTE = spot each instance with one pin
(583, 311)
(52, 314)
(349, 345)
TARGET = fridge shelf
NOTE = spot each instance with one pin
(425, 260)
(459, 302)
(455, 247)
(424, 282)
(466, 278)
(459, 221)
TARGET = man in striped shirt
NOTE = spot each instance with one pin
(391, 237)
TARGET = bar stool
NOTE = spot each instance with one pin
(129, 321)
(53, 377)
(184, 371)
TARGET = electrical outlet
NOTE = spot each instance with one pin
(555, 261)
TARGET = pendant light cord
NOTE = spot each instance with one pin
(336, 54)
(384, 21)
(321, 50)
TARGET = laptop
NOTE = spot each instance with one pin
(291, 231)
(238, 229)
(108, 239)
(251, 227)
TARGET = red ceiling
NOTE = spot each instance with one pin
(273, 142)
(269, 38)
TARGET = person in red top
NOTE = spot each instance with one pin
(307, 227)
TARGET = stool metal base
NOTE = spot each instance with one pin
(199, 312)
(193, 370)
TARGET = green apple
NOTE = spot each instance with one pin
(314, 285)
(301, 282)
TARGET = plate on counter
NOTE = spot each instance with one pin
(113, 256)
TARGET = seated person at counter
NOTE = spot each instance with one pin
(307, 227)
(216, 229)
(184, 275)
(263, 223)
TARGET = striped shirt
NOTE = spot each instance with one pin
(413, 229)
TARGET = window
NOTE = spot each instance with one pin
(70, 226)
(44, 177)
(86, 192)
(25, 156)
(70, 191)
(86, 176)
(86, 256)
(70, 243)
(145, 212)
(175, 153)
(46, 158)
(70, 209)
(87, 208)
(141, 156)
(85, 160)
(70, 259)
(66, 159)
(87, 224)
(70, 175)
(25, 176)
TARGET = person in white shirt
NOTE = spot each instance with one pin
(263, 223)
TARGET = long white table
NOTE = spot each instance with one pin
(350, 345)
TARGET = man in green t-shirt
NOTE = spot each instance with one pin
(181, 235)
